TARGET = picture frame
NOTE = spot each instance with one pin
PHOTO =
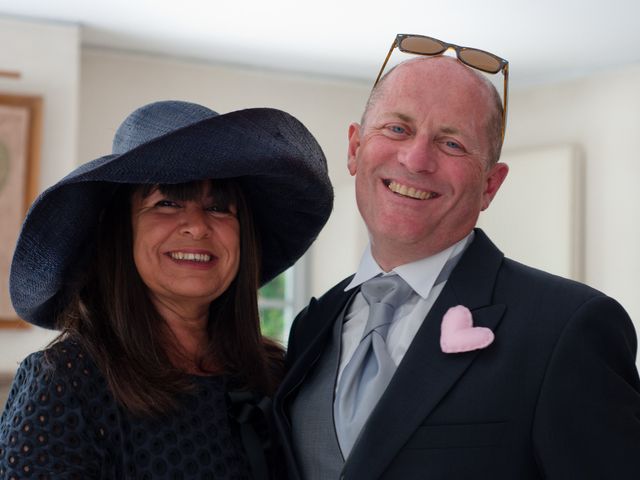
(20, 148)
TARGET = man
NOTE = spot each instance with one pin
(542, 384)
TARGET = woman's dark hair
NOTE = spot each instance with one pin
(112, 317)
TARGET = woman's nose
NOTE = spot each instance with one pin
(195, 222)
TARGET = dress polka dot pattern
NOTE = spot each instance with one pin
(61, 422)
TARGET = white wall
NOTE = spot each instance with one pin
(47, 57)
(600, 115)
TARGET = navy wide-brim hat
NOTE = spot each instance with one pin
(277, 161)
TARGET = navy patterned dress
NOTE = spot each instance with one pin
(61, 422)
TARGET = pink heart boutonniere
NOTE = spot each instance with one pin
(457, 333)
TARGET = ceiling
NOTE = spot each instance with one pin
(544, 40)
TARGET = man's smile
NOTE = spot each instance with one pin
(410, 192)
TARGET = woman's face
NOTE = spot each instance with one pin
(187, 252)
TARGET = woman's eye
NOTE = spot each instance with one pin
(218, 209)
(166, 203)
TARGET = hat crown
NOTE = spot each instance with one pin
(155, 120)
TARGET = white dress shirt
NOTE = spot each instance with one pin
(421, 275)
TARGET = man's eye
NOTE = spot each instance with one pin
(397, 129)
(452, 144)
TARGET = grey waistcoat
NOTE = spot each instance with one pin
(313, 431)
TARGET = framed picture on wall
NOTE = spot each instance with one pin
(20, 137)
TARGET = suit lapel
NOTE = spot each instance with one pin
(426, 374)
(314, 332)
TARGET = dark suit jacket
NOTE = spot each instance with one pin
(556, 396)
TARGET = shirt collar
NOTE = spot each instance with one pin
(420, 274)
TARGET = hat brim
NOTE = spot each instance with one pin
(278, 162)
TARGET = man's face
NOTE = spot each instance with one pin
(420, 160)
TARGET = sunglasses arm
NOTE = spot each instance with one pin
(384, 64)
(505, 71)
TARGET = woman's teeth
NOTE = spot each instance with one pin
(193, 257)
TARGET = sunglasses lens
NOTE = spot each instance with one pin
(421, 45)
(480, 60)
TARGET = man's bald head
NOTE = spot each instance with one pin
(443, 65)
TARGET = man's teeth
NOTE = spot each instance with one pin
(194, 257)
(410, 191)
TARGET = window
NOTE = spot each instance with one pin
(281, 299)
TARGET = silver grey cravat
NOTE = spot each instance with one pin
(371, 367)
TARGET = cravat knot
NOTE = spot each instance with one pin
(384, 295)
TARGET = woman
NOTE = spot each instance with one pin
(149, 260)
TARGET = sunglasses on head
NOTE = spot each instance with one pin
(472, 57)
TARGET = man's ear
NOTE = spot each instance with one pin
(354, 145)
(495, 177)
